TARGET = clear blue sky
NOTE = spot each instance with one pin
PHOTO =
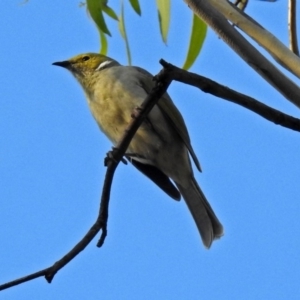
(51, 169)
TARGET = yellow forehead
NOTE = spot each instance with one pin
(90, 60)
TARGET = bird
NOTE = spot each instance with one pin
(161, 148)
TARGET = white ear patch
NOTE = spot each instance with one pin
(103, 65)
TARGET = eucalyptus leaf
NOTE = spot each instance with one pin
(110, 12)
(136, 6)
(164, 11)
(103, 42)
(198, 34)
(95, 9)
(122, 30)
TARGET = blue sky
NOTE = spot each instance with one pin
(51, 169)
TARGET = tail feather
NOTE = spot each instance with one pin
(208, 224)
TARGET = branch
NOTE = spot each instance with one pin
(244, 49)
(267, 40)
(100, 223)
(112, 160)
(218, 90)
(163, 80)
(292, 25)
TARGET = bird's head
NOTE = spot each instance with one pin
(85, 66)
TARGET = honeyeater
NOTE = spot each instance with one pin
(161, 148)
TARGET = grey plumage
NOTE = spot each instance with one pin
(160, 148)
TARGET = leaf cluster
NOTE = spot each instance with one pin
(98, 9)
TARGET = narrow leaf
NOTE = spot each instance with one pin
(110, 12)
(103, 42)
(95, 9)
(198, 34)
(136, 6)
(123, 32)
(164, 10)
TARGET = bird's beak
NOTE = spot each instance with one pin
(65, 64)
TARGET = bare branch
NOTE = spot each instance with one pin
(292, 25)
(163, 80)
(112, 160)
(23, 279)
(212, 87)
(268, 41)
(245, 50)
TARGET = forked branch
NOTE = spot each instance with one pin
(163, 80)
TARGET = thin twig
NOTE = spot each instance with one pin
(292, 26)
(112, 160)
(218, 90)
(163, 80)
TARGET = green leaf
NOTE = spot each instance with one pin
(95, 9)
(110, 12)
(123, 32)
(198, 34)
(164, 7)
(136, 6)
(103, 42)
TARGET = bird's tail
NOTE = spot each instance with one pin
(208, 224)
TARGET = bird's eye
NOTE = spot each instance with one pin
(85, 58)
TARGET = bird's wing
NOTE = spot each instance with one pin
(157, 176)
(171, 112)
